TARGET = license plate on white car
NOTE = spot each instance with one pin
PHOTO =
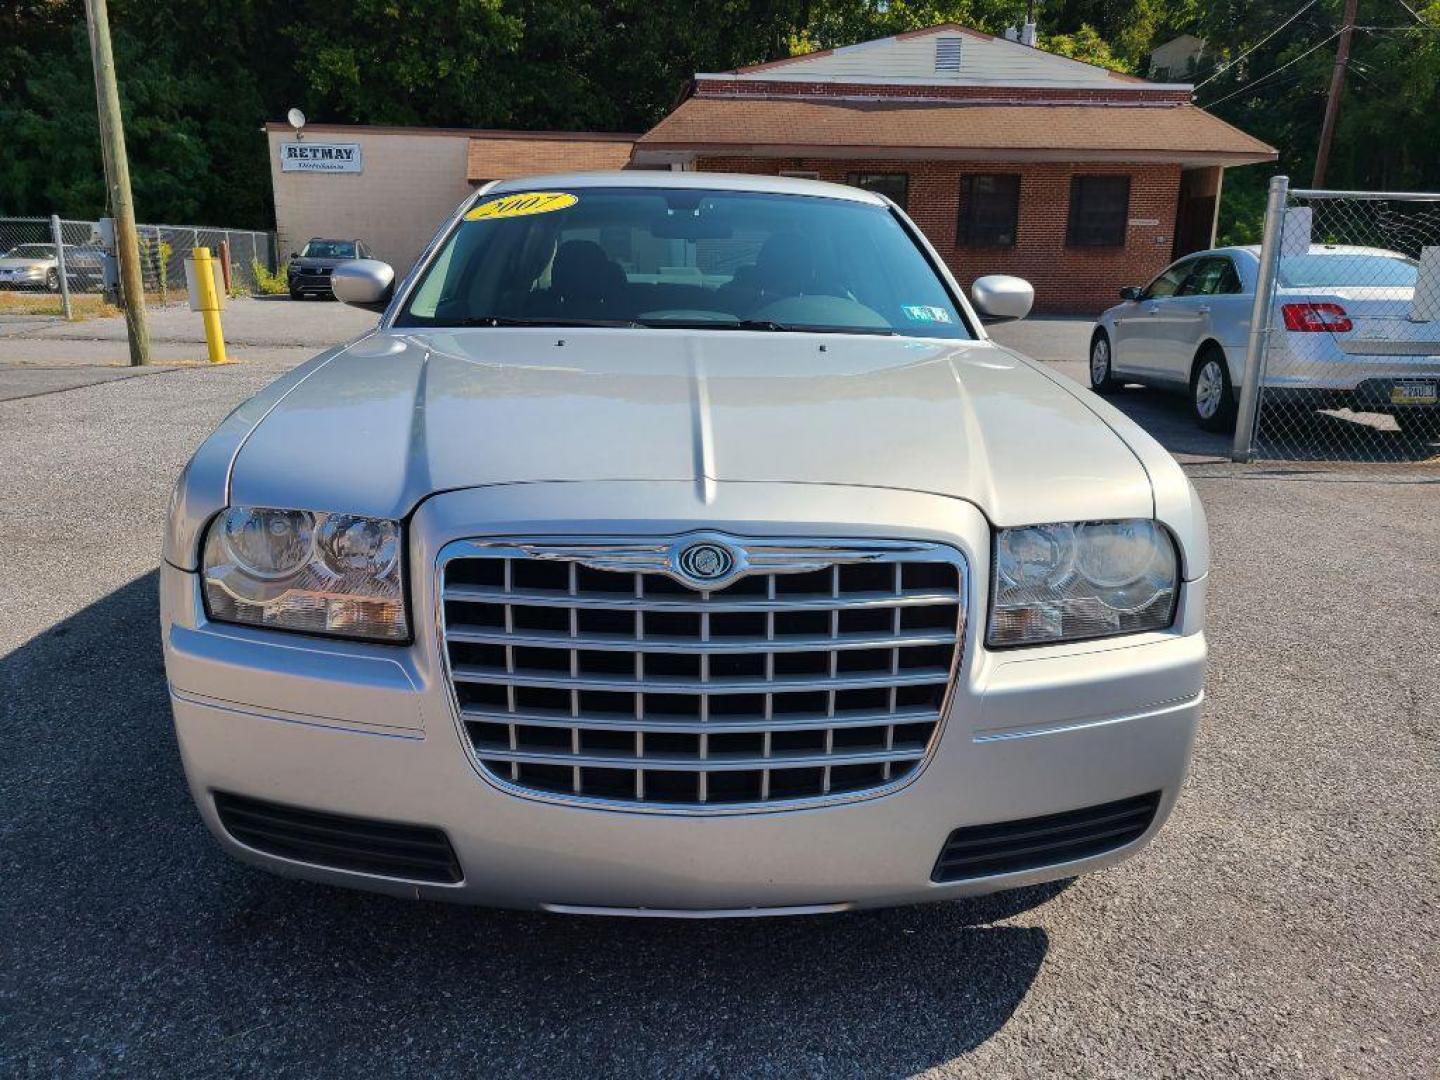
(1414, 393)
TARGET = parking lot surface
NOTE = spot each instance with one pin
(1283, 924)
(271, 330)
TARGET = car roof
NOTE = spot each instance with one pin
(1253, 250)
(655, 178)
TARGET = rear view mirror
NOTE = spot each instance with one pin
(365, 283)
(1000, 296)
(1131, 292)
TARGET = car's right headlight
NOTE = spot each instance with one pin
(1073, 581)
(337, 574)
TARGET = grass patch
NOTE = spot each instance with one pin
(268, 284)
(82, 306)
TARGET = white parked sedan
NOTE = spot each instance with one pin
(1342, 334)
(681, 544)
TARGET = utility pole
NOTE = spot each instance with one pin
(1332, 100)
(117, 180)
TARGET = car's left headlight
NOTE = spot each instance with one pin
(1074, 581)
(323, 573)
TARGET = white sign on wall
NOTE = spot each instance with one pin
(321, 157)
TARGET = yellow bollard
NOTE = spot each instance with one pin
(209, 304)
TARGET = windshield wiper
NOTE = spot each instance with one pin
(768, 325)
(504, 320)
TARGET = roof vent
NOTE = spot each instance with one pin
(947, 54)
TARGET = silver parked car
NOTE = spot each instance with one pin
(34, 267)
(1343, 337)
(681, 544)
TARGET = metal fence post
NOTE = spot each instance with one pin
(1247, 415)
(55, 235)
(162, 266)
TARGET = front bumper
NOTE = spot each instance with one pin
(311, 284)
(369, 731)
(23, 279)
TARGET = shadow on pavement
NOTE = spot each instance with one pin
(1288, 435)
(142, 949)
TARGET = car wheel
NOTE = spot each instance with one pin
(296, 294)
(1102, 379)
(1211, 397)
(52, 281)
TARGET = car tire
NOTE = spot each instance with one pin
(1102, 377)
(296, 294)
(52, 281)
(1212, 398)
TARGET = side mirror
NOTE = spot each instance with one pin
(294, 254)
(1000, 296)
(1131, 292)
(365, 283)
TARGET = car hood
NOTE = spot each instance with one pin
(400, 415)
(315, 263)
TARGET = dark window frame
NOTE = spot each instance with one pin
(858, 180)
(1089, 234)
(970, 231)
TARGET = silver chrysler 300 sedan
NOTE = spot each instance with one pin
(681, 544)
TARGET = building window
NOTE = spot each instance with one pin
(893, 185)
(1099, 207)
(989, 209)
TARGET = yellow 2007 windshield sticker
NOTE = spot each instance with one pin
(522, 204)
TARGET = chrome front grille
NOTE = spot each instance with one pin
(589, 670)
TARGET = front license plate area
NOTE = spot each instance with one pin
(1414, 393)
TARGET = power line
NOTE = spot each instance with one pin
(1413, 12)
(1276, 71)
(1220, 71)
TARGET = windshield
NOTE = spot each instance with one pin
(31, 251)
(1319, 271)
(329, 249)
(683, 258)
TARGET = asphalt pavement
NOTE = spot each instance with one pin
(1283, 924)
(271, 330)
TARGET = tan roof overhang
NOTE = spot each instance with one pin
(503, 157)
(947, 130)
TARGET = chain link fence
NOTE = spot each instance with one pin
(32, 251)
(1344, 354)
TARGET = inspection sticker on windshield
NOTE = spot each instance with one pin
(921, 313)
(522, 204)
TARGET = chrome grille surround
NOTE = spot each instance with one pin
(594, 671)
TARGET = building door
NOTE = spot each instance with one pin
(1195, 210)
(1195, 223)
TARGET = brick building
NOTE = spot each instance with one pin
(1010, 158)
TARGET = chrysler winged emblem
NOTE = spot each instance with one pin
(705, 561)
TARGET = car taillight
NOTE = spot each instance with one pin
(1309, 318)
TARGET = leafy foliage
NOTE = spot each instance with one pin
(198, 80)
(1086, 44)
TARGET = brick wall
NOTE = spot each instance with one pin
(1078, 281)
